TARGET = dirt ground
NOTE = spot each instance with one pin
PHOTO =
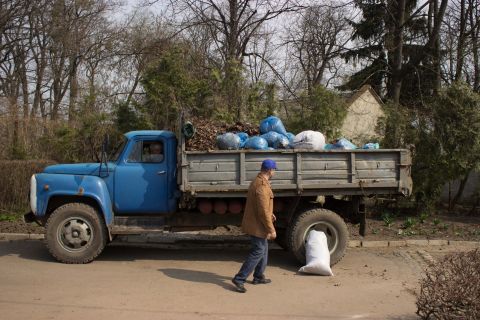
(442, 226)
(193, 282)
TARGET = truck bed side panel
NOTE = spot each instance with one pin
(228, 173)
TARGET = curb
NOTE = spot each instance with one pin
(21, 236)
(170, 239)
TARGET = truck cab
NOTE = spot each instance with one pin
(135, 182)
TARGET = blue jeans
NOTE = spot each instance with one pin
(256, 261)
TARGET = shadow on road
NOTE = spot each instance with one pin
(37, 250)
(26, 249)
(199, 276)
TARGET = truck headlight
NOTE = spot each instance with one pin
(33, 194)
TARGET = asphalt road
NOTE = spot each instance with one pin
(193, 282)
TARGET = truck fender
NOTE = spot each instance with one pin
(53, 185)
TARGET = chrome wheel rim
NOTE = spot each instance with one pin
(75, 234)
(330, 232)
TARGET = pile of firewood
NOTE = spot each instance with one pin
(206, 132)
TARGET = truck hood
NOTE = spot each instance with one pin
(79, 168)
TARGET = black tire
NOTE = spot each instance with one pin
(75, 233)
(322, 220)
(281, 239)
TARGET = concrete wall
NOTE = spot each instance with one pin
(362, 117)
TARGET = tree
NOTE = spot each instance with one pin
(317, 39)
(324, 110)
(232, 25)
(399, 44)
(171, 86)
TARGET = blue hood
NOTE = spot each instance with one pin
(79, 168)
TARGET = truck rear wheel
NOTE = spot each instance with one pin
(321, 220)
(75, 233)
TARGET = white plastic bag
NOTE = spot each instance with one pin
(309, 139)
(317, 254)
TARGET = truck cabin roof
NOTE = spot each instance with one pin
(150, 133)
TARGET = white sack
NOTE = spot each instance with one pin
(317, 254)
(309, 139)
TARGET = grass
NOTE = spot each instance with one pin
(387, 219)
(423, 217)
(409, 222)
(8, 217)
(12, 213)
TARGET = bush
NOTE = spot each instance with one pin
(451, 288)
(15, 182)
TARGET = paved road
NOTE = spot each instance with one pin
(194, 283)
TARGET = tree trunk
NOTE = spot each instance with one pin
(475, 46)
(460, 190)
(72, 103)
(398, 52)
(461, 41)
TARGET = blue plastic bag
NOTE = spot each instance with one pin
(256, 143)
(329, 146)
(228, 141)
(243, 138)
(271, 137)
(344, 144)
(371, 146)
(272, 123)
(290, 136)
(281, 142)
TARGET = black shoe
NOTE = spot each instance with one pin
(261, 281)
(239, 286)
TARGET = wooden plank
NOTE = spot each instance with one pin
(196, 166)
(377, 174)
(375, 165)
(258, 158)
(378, 156)
(279, 175)
(208, 158)
(281, 165)
(324, 165)
(208, 177)
(368, 187)
(322, 156)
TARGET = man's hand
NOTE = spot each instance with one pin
(271, 236)
(274, 218)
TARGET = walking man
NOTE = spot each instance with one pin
(257, 222)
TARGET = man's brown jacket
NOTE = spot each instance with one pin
(258, 215)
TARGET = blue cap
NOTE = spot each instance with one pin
(268, 164)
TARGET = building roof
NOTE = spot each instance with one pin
(354, 95)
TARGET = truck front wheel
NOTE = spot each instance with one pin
(321, 220)
(75, 233)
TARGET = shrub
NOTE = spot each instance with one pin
(451, 288)
(15, 182)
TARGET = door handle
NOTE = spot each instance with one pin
(161, 172)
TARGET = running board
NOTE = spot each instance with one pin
(138, 225)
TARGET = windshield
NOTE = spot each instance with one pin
(118, 150)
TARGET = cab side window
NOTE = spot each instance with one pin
(147, 152)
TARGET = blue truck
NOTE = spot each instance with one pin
(85, 206)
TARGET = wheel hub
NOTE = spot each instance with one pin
(75, 234)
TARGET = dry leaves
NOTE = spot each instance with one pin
(206, 132)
